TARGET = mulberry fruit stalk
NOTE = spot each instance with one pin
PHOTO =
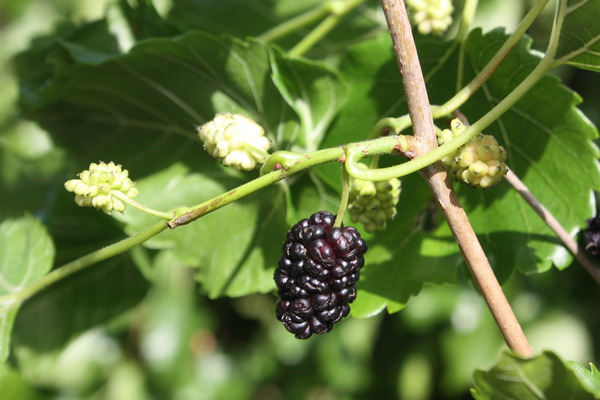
(317, 274)
(97, 185)
(235, 140)
(373, 203)
(480, 162)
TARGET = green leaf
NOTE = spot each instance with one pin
(543, 377)
(315, 96)
(231, 17)
(254, 17)
(144, 21)
(590, 379)
(555, 158)
(27, 253)
(399, 262)
(131, 101)
(550, 148)
(235, 248)
(84, 300)
(7, 320)
(15, 386)
(579, 40)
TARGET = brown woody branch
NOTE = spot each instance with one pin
(556, 227)
(436, 177)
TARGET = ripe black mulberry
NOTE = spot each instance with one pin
(591, 236)
(317, 274)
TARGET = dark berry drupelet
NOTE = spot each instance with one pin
(591, 236)
(317, 274)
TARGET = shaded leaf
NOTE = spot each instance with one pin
(579, 40)
(88, 298)
(315, 96)
(144, 21)
(248, 18)
(545, 376)
(131, 100)
(400, 261)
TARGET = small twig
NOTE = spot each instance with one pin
(339, 219)
(437, 178)
(337, 11)
(553, 224)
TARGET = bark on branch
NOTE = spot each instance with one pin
(438, 181)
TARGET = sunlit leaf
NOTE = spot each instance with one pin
(549, 147)
(590, 379)
(26, 255)
(545, 376)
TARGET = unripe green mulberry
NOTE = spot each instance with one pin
(96, 187)
(235, 140)
(430, 16)
(479, 162)
(372, 203)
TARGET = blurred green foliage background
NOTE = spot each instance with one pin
(179, 345)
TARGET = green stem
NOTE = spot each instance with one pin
(339, 219)
(436, 154)
(121, 196)
(292, 25)
(463, 95)
(337, 11)
(80, 264)
(466, 20)
(454, 103)
(257, 151)
(389, 126)
(185, 215)
(279, 160)
(468, 13)
(283, 164)
(385, 127)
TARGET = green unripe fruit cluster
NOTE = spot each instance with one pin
(430, 16)
(479, 162)
(96, 187)
(235, 140)
(373, 203)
